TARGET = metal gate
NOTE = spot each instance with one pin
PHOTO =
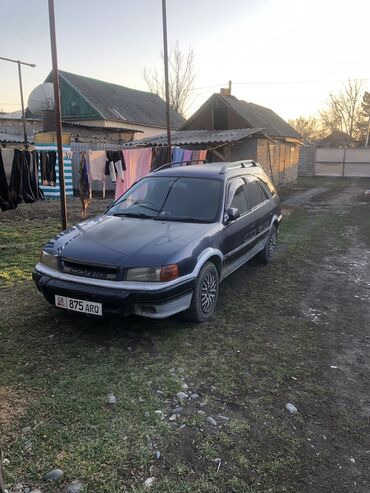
(342, 162)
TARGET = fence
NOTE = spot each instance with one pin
(342, 162)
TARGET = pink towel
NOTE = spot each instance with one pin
(138, 163)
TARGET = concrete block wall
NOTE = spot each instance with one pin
(306, 165)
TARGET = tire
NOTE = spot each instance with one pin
(269, 251)
(205, 295)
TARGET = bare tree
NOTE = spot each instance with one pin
(309, 127)
(181, 78)
(364, 124)
(343, 111)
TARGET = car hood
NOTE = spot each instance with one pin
(124, 241)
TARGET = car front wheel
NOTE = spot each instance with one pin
(205, 295)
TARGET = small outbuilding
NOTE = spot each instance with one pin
(276, 146)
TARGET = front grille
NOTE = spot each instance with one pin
(93, 271)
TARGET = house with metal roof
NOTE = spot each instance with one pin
(102, 104)
(276, 147)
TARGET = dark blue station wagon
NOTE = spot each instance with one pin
(166, 244)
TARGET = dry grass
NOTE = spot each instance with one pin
(12, 407)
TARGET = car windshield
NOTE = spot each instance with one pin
(171, 199)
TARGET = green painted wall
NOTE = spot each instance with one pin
(73, 104)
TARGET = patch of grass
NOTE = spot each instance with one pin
(241, 363)
(20, 245)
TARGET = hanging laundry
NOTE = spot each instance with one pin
(119, 163)
(4, 188)
(195, 157)
(83, 184)
(96, 160)
(95, 167)
(202, 156)
(177, 156)
(160, 157)
(8, 156)
(20, 180)
(28, 188)
(37, 192)
(198, 156)
(115, 165)
(138, 163)
(48, 161)
(187, 157)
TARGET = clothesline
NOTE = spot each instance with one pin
(23, 172)
(127, 166)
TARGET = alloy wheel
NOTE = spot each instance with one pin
(208, 292)
(271, 246)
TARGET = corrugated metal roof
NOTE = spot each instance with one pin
(188, 137)
(120, 103)
(259, 116)
(13, 138)
(101, 127)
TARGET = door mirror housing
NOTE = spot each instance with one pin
(232, 214)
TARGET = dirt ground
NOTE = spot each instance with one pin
(295, 331)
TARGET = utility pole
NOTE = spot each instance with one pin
(19, 63)
(58, 117)
(367, 132)
(166, 79)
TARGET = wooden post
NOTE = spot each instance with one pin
(166, 79)
(58, 117)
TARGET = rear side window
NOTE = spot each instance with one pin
(254, 194)
(236, 195)
(265, 190)
(270, 186)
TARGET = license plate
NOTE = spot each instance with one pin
(82, 306)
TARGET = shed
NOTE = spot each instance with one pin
(220, 144)
(277, 150)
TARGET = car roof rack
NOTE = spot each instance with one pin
(238, 164)
(204, 161)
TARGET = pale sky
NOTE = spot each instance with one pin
(283, 54)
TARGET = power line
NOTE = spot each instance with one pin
(208, 87)
(251, 83)
(299, 82)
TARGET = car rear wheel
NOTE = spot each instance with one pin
(269, 251)
(205, 295)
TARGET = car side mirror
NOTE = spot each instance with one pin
(232, 214)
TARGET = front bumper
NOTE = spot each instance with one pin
(159, 303)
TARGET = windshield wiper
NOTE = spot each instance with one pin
(181, 219)
(133, 214)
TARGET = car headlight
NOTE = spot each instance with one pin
(153, 274)
(49, 260)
